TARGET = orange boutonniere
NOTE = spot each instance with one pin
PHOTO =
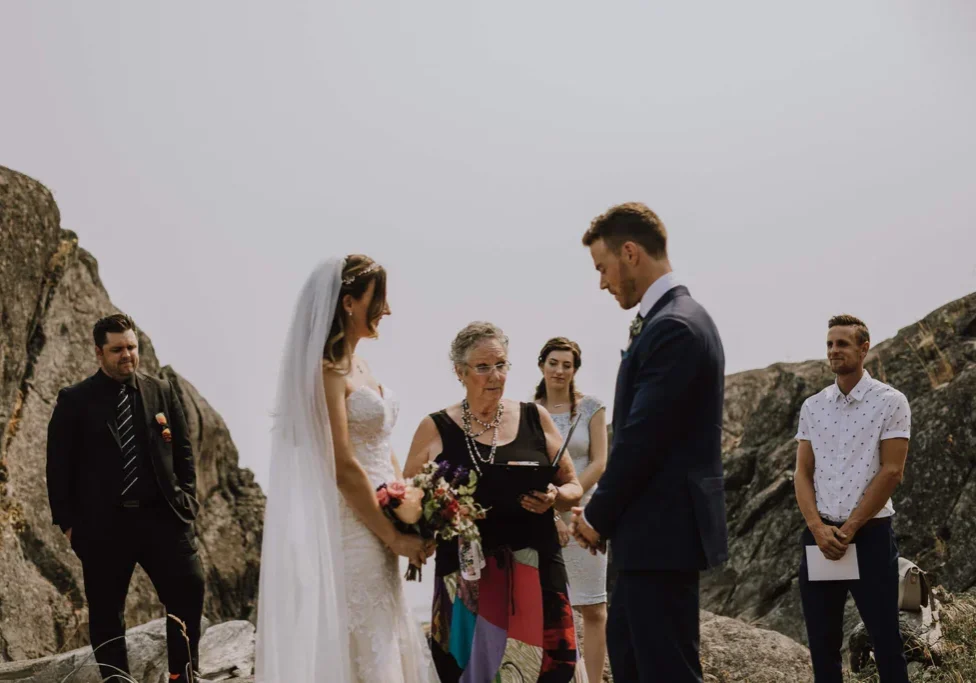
(165, 432)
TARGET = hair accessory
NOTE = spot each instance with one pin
(349, 279)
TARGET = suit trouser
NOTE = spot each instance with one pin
(165, 547)
(876, 596)
(653, 628)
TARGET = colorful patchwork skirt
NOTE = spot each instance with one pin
(513, 624)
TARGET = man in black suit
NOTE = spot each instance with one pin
(661, 501)
(122, 487)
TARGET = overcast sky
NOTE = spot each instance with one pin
(807, 160)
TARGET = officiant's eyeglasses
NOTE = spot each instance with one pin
(485, 369)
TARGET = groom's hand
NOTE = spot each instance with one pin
(585, 535)
(68, 535)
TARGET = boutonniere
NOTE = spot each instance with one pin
(164, 427)
(636, 326)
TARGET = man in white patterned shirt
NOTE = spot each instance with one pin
(852, 445)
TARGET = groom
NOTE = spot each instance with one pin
(661, 501)
(121, 484)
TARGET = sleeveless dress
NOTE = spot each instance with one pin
(385, 643)
(587, 573)
(515, 623)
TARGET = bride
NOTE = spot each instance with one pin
(330, 602)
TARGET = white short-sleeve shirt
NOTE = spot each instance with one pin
(846, 434)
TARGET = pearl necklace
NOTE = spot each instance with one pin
(469, 437)
(486, 425)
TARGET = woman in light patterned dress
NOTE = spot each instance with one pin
(559, 361)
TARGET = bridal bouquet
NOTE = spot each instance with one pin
(438, 504)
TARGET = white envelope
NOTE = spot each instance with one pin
(819, 568)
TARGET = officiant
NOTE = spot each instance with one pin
(516, 617)
(852, 446)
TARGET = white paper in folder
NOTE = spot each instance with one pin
(819, 568)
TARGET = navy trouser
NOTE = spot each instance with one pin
(876, 596)
(652, 630)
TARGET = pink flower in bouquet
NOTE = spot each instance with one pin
(383, 497)
(397, 489)
(411, 506)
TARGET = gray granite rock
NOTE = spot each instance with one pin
(226, 654)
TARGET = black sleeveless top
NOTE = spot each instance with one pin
(513, 528)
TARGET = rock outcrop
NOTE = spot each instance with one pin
(50, 295)
(226, 654)
(732, 650)
(934, 363)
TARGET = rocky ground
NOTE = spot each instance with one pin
(941, 652)
(732, 650)
(226, 654)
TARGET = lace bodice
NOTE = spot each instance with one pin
(371, 417)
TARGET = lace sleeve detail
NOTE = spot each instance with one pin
(590, 406)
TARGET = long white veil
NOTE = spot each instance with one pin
(302, 632)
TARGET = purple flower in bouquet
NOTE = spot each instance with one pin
(442, 471)
(460, 476)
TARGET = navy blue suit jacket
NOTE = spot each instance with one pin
(661, 501)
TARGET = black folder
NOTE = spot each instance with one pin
(502, 484)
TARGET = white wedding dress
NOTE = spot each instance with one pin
(385, 643)
(331, 605)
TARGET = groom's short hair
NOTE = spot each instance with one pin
(630, 222)
(118, 323)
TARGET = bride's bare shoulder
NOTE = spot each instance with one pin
(335, 377)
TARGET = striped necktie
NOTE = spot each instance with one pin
(127, 437)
